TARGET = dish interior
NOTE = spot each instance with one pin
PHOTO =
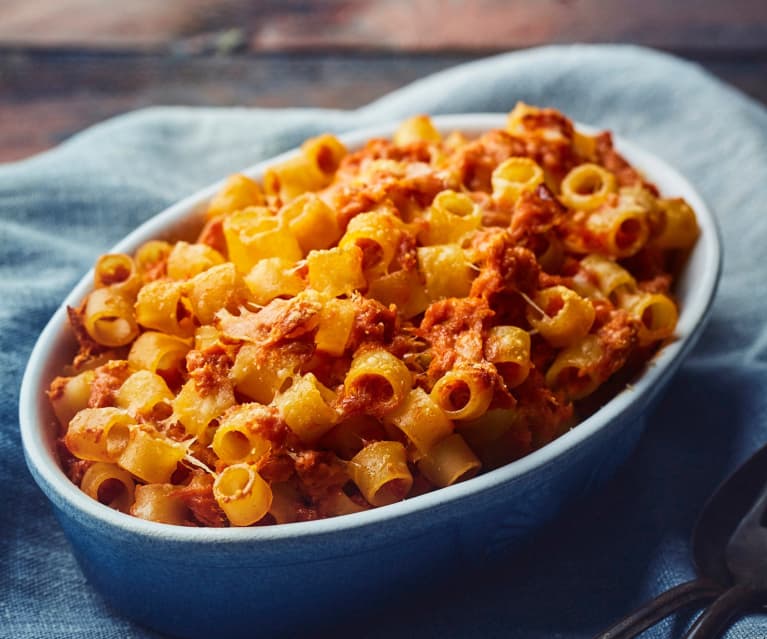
(695, 289)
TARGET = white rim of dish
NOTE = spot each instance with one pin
(690, 325)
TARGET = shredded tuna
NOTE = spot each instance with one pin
(197, 496)
(280, 319)
(107, 379)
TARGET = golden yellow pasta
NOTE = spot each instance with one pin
(307, 408)
(515, 176)
(109, 317)
(160, 503)
(421, 420)
(238, 192)
(255, 233)
(99, 434)
(464, 392)
(118, 272)
(587, 186)
(381, 473)
(336, 271)
(242, 494)
(560, 315)
(449, 461)
(360, 326)
(109, 484)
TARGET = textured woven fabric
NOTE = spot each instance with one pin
(627, 542)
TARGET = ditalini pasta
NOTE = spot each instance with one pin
(363, 326)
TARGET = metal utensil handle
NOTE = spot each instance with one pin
(717, 617)
(662, 606)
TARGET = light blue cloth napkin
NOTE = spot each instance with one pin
(628, 542)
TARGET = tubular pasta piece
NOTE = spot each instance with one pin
(605, 275)
(158, 502)
(419, 128)
(149, 456)
(509, 348)
(568, 316)
(336, 271)
(238, 192)
(273, 277)
(187, 260)
(404, 289)
(335, 326)
(575, 369)
(219, 287)
(450, 218)
(235, 442)
(324, 153)
(260, 378)
(421, 420)
(286, 181)
(464, 392)
(449, 462)
(381, 473)
(679, 228)
(623, 231)
(118, 272)
(110, 485)
(515, 176)
(196, 411)
(306, 407)
(376, 234)
(109, 318)
(446, 269)
(151, 259)
(312, 222)
(378, 380)
(255, 233)
(162, 306)
(587, 186)
(156, 352)
(656, 315)
(98, 434)
(69, 395)
(142, 392)
(242, 494)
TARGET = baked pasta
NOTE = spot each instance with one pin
(363, 326)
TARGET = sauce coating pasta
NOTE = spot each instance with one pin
(364, 326)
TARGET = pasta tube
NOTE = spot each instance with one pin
(587, 187)
(109, 317)
(118, 272)
(110, 485)
(464, 392)
(242, 494)
(508, 347)
(99, 434)
(421, 420)
(567, 316)
(381, 473)
(378, 379)
(449, 462)
(575, 369)
(515, 176)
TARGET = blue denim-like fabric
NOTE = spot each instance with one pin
(627, 542)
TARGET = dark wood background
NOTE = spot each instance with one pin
(66, 64)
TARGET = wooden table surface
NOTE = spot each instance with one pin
(66, 64)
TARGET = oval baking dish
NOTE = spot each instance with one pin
(272, 580)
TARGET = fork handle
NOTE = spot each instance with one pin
(717, 617)
(663, 605)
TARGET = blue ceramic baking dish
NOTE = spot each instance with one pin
(300, 577)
